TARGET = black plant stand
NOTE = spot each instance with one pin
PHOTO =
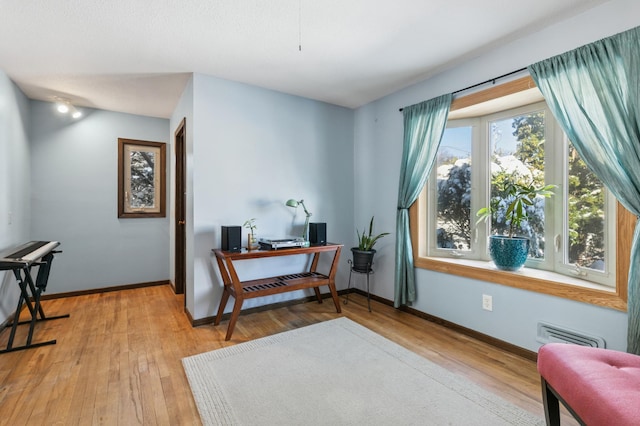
(368, 271)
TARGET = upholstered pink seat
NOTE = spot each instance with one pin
(598, 386)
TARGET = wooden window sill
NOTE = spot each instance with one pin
(529, 279)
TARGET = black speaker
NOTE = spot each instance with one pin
(231, 238)
(318, 234)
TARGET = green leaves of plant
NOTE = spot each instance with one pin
(523, 196)
(367, 241)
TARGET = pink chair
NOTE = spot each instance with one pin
(600, 387)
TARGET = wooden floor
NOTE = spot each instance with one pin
(117, 360)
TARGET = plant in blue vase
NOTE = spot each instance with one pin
(509, 252)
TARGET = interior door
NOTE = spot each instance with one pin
(180, 254)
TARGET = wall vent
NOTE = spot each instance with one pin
(549, 333)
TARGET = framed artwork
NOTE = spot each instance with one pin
(141, 178)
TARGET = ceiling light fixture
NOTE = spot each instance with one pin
(64, 106)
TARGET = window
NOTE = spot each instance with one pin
(572, 234)
(450, 183)
(141, 178)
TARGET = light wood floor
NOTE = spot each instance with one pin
(117, 360)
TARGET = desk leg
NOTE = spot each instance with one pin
(318, 295)
(332, 279)
(313, 268)
(334, 296)
(223, 304)
(237, 307)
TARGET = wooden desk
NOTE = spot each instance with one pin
(242, 290)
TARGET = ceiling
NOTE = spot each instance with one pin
(135, 56)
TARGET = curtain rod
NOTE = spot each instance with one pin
(491, 80)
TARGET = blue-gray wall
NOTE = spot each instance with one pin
(74, 200)
(252, 150)
(14, 183)
(378, 148)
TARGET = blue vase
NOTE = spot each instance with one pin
(509, 254)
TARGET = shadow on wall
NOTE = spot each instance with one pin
(9, 294)
(206, 241)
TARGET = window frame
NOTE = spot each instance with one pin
(432, 195)
(125, 170)
(545, 282)
(611, 208)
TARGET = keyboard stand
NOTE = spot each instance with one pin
(30, 290)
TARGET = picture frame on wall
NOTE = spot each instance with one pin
(141, 178)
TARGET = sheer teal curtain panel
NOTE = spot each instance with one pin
(594, 92)
(424, 124)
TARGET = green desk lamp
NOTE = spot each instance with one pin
(293, 203)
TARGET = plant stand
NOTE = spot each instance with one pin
(368, 271)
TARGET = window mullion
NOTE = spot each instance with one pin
(482, 180)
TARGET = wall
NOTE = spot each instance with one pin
(74, 200)
(183, 110)
(14, 183)
(378, 148)
(252, 150)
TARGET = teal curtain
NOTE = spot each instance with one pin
(594, 92)
(424, 124)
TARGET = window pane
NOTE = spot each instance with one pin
(517, 156)
(586, 215)
(142, 178)
(453, 168)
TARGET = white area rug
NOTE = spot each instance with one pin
(337, 373)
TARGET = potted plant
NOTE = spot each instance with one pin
(509, 252)
(252, 241)
(363, 254)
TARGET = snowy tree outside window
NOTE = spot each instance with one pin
(142, 192)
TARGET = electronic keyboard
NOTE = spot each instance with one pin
(26, 254)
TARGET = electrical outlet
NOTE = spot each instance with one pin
(487, 302)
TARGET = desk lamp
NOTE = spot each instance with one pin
(293, 203)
